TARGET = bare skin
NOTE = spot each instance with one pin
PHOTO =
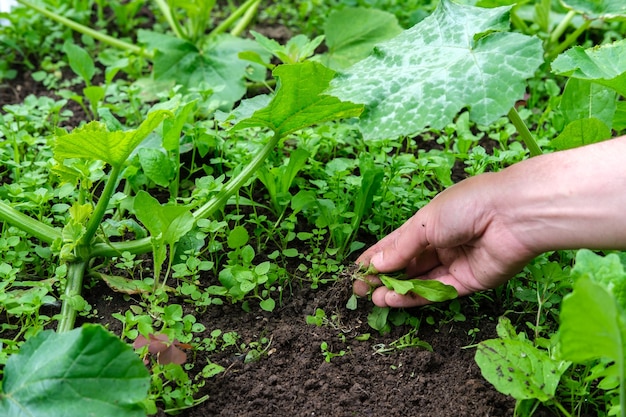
(480, 232)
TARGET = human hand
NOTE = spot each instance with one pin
(461, 238)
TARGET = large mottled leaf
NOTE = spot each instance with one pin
(519, 369)
(94, 141)
(457, 57)
(597, 9)
(217, 67)
(605, 65)
(84, 372)
(299, 101)
(348, 44)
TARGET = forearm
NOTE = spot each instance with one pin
(570, 199)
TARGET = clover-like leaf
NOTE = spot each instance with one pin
(457, 57)
(94, 141)
(604, 64)
(299, 101)
(598, 9)
(87, 371)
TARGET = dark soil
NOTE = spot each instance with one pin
(293, 378)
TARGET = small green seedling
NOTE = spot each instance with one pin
(328, 355)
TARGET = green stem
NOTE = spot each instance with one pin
(209, 208)
(518, 22)
(560, 28)
(236, 182)
(73, 287)
(525, 134)
(33, 227)
(622, 387)
(245, 20)
(110, 249)
(561, 408)
(571, 38)
(96, 218)
(88, 31)
(167, 12)
(232, 18)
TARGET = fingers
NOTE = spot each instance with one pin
(384, 297)
(364, 286)
(400, 248)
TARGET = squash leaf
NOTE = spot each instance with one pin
(460, 56)
(299, 101)
(87, 371)
(94, 141)
(604, 65)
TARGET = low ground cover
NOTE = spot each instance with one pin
(183, 194)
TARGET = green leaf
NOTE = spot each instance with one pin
(268, 305)
(429, 289)
(156, 165)
(457, 57)
(80, 62)
(94, 141)
(597, 9)
(173, 127)
(607, 270)
(517, 368)
(297, 49)
(217, 67)
(583, 99)
(605, 65)
(167, 222)
(619, 120)
(593, 316)
(582, 132)
(94, 93)
(348, 44)
(237, 237)
(590, 324)
(377, 319)
(87, 371)
(299, 101)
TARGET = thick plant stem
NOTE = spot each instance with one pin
(560, 28)
(109, 40)
(101, 206)
(208, 209)
(73, 287)
(525, 134)
(33, 227)
(236, 182)
(233, 18)
(246, 19)
(167, 12)
(571, 38)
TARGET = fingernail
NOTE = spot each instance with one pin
(377, 260)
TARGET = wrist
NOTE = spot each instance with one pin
(567, 200)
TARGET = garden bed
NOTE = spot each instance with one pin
(134, 197)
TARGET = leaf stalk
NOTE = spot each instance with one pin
(524, 133)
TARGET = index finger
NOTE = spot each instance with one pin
(398, 249)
